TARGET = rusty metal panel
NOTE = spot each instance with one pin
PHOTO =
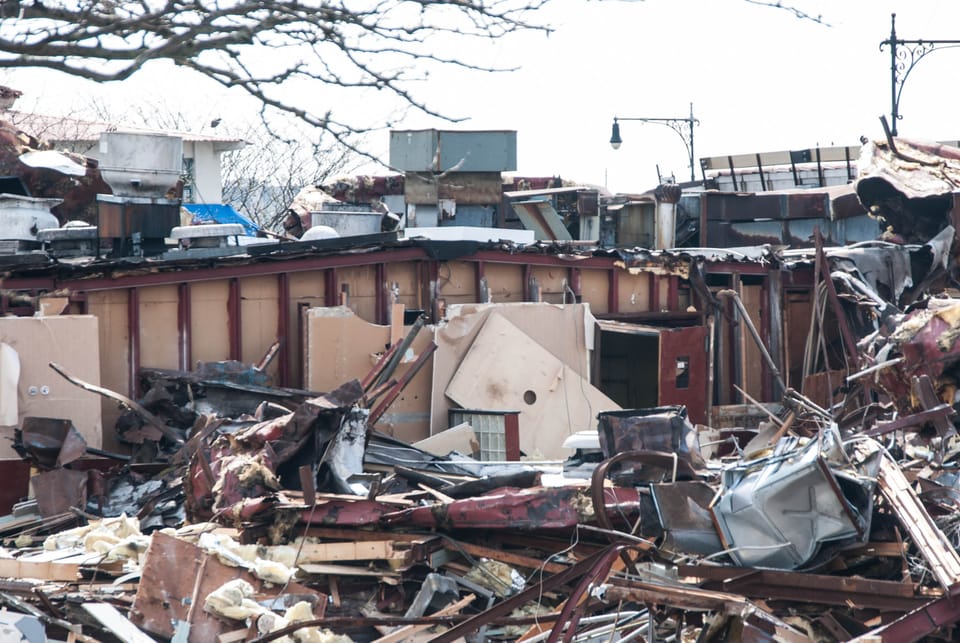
(176, 576)
(467, 188)
(683, 370)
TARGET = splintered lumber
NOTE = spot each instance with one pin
(930, 541)
(403, 633)
(503, 556)
(362, 550)
(52, 570)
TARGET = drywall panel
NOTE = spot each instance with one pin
(259, 310)
(340, 347)
(565, 331)
(506, 369)
(551, 280)
(72, 341)
(595, 288)
(158, 327)
(110, 309)
(306, 291)
(209, 321)
(634, 292)
(504, 282)
(457, 282)
(403, 279)
(362, 284)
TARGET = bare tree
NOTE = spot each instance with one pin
(261, 179)
(379, 44)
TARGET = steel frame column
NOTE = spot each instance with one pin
(331, 293)
(283, 329)
(613, 291)
(184, 323)
(133, 332)
(380, 296)
(234, 322)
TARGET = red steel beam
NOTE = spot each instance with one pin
(283, 328)
(184, 323)
(613, 292)
(234, 322)
(654, 281)
(380, 295)
(331, 292)
(133, 332)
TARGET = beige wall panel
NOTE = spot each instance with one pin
(558, 329)
(159, 336)
(209, 321)
(551, 280)
(456, 283)
(363, 290)
(68, 340)
(259, 312)
(505, 282)
(110, 309)
(306, 291)
(595, 289)
(404, 276)
(342, 347)
(634, 292)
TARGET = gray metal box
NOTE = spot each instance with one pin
(444, 150)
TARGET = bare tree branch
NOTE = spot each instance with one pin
(258, 45)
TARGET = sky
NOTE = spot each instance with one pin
(759, 78)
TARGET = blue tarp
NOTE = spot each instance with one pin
(219, 213)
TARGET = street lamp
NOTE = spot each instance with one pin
(904, 55)
(682, 126)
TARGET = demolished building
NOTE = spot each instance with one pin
(364, 436)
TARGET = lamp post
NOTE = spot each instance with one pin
(682, 126)
(904, 55)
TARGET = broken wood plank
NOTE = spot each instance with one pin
(42, 569)
(118, 624)
(362, 550)
(929, 540)
(152, 419)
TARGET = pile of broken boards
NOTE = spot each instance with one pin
(306, 525)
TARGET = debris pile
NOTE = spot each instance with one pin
(248, 511)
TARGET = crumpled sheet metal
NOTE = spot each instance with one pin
(239, 475)
(663, 429)
(920, 169)
(538, 508)
(779, 511)
(927, 339)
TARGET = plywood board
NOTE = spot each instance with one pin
(506, 369)
(565, 331)
(71, 341)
